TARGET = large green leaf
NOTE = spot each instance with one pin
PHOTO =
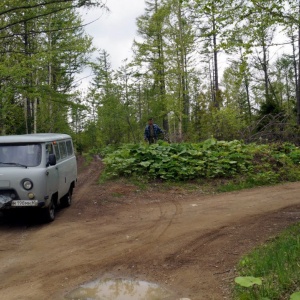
(146, 163)
(295, 296)
(248, 281)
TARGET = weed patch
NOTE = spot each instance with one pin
(277, 264)
(244, 165)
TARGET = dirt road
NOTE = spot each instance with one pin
(185, 241)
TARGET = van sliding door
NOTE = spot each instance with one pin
(52, 171)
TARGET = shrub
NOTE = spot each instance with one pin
(261, 164)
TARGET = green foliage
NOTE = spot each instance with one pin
(225, 123)
(178, 161)
(277, 263)
(255, 164)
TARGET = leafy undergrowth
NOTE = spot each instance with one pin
(237, 164)
(277, 265)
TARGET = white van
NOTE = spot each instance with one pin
(37, 171)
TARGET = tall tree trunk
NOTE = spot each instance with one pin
(265, 70)
(182, 69)
(288, 93)
(248, 97)
(139, 103)
(295, 65)
(216, 74)
(162, 83)
(246, 83)
(298, 78)
(50, 103)
(35, 108)
(2, 114)
(161, 72)
(180, 131)
(27, 104)
(211, 81)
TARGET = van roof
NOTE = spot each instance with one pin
(33, 138)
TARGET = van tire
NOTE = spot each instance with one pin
(66, 200)
(49, 212)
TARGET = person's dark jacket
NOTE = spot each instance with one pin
(156, 131)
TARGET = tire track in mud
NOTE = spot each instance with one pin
(168, 223)
(140, 239)
(88, 178)
(156, 228)
(86, 185)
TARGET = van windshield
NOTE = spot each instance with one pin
(20, 155)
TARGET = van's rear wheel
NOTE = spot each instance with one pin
(49, 212)
(66, 201)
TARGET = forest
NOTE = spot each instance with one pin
(223, 69)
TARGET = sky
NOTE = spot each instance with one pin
(113, 31)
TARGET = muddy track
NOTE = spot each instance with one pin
(186, 242)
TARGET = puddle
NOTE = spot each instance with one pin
(120, 289)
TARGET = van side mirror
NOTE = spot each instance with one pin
(52, 160)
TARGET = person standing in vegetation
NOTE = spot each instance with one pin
(151, 132)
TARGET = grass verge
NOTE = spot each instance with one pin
(277, 263)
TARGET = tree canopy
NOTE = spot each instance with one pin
(200, 68)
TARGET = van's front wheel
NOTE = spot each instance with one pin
(49, 212)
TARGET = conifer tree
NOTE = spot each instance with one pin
(150, 53)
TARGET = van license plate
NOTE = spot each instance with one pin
(24, 203)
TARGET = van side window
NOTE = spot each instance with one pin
(62, 149)
(69, 148)
(57, 152)
(49, 150)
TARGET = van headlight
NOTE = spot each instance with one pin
(27, 184)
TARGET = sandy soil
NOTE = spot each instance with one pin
(188, 242)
